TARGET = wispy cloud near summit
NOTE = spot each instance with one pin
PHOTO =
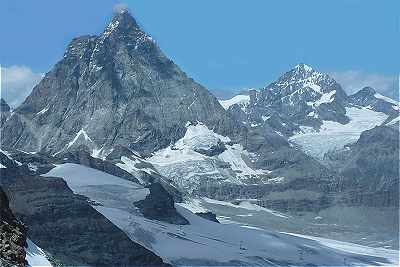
(354, 80)
(120, 7)
(17, 83)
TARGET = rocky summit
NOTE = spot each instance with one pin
(301, 96)
(119, 158)
(115, 88)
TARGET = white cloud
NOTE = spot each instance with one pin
(120, 7)
(354, 80)
(17, 83)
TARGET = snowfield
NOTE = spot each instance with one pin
(387, 99)
(208, 243)
(35, 256)
(334, 135)
(99, 186)
(182, 163)
(241, 100)
(392, 255)
(204, 242)
(199, 137)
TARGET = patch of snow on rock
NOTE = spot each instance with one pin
(87, 138)
(35, 256)
(233, 156)
(239, 99)
(387, 99)
(199, 137)
(326, 98)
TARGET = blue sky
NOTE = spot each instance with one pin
(226, 45)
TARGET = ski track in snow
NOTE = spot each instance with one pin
(392, 255)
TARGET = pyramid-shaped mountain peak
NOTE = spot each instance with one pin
(123, 24)
(120, 88)
(304, 67)
(124, 19)
(368, 90)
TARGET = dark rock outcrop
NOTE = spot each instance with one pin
(12, 236)
(215, 149)
(208, 216)
(371, 167)
(67, 227)
(5, 111)
(159, 205)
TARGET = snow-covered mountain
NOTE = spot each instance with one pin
(312, 110)
(302, 96)
(117, 88)
(116, 143)
(203, 159)
(369, 98)
(117, 99)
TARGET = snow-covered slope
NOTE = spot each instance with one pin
(333, 135)
(202, 242)
(35, 256)
(391, 255)
(387, 99)
(99, 186)
(367, 226)
(202, 157)
(368, 97)
(241, 100)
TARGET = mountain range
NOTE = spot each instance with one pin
(118, 137)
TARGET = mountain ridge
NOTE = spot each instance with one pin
(100, 82)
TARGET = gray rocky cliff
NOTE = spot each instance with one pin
(12, 235)
(5, 111)
(112, 89)
(301, 96)
(371, 167)
(368, 97)
(64, 224)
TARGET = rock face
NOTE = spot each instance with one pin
(114, 89)
(116, 94)
(368, 97)
(208, 216)
(371, 166)
(4, 111)
(302, 96)
(12, 236)
(65, 225)
(159, 205)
